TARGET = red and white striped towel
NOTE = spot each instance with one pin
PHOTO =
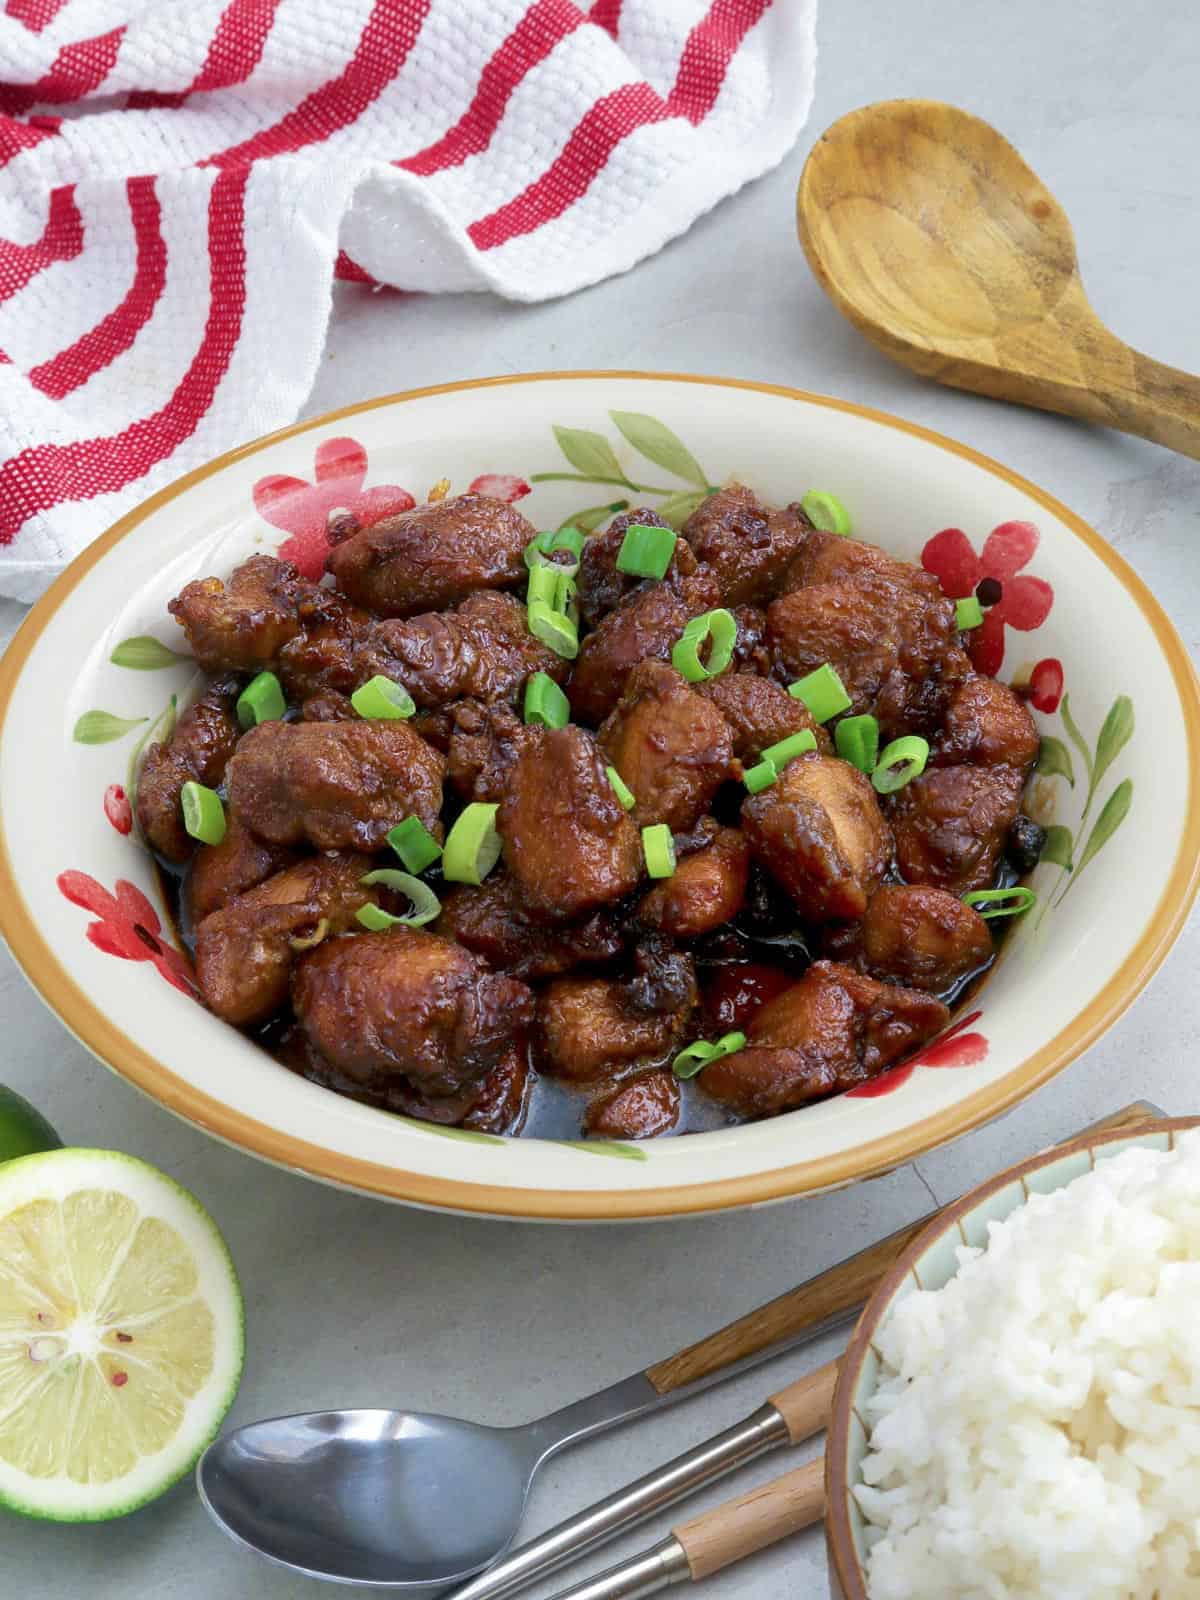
(181, 180)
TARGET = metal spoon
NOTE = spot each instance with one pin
(931, 234)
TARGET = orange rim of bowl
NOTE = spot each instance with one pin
(839, 1538)
(89, 1024)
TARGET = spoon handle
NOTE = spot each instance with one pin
(1137, 394)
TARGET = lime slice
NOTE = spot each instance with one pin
(23, 1130)
(121, 1334)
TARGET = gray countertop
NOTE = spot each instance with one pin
(351, 1301)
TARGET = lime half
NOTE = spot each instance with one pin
(121, 1333)
(23, 1129)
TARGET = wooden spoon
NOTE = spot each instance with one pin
(934, 238)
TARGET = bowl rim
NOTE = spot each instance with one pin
(115, 1049)
(839, 1539)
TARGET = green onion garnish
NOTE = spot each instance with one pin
(760, 777)
(968, 613)
(414, 844)
(382, 697)
(1012, 902)
(623, 792)
(720, 628)
(545, 703)
(472, 845)
(543, 585)
(825, 511)
(552, 628)
(658, 847)
(823, 692)
(903, 760)
(539, 552)
(796, 744)
(697, 1056)
(261, 701)
(856, 740)
(564, 598)
(646, 551)
(203, 813)
(425, 904)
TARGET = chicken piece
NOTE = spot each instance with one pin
(198, 750)
(915, 701)
(820, 833)
(950, 825)
(672, 748)
(736, 990)
(221, 871)
(760, 713)
(433, 556)
(297, 1051)
(500, 1107)
(245, 951)
(923, 938)
(322, 656)
(829, 557)
(567, 841)
(492, 922)
(600, 586)
(483, 650)
(589, 1028)
(646, 625)
(834, 1029)
(706, 891)
(484, 748)
(241, 625)
(338, 785)
(749, 546)
(330, 706)
(986, 725)
(641, 1108)
(410, 1004)
(750, 653)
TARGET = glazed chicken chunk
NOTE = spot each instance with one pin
(241, 625)
(672, 748)
(484, 746)
(642, 1107)
(760, 713)
(749, 547)
(601, 587)
(950, 825)
(923, 938)
(591, 1027)
(706, 890)
(492, 921)
(986, 725)
(336, 785)
(322, 657)
(197, 751)
(221, 871)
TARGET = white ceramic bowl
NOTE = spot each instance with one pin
(1066, 972)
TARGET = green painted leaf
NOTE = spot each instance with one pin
(102, 727)
(1057, 851)
(1054, 760)
(1113, 814)
(657, 443)
(470, 1135)
(1076, 737)
(604, 1147)
(588, 452)
(591, 519)
(1114, 735)
(677, 508)
(145, 654)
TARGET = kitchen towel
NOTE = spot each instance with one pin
(182, 180)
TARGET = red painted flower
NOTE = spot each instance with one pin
(994, 577)
(1046, 684)
(128, 926)
(302, 509)
(954, 1048)
(117, 808)
(500, 485)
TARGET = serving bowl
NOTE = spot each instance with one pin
(929, 1262)
(92, 673)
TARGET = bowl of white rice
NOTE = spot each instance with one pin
(1018, 1412)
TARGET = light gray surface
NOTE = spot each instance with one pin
(350, 1301)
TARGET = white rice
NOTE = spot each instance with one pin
(1036, 1429)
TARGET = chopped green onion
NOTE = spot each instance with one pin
(658, 847)
(856, 740)
(1012, 902)
(383, 697)
(968, 613)
(543, 586)
(564, 598)
(646, 551)
(425, 904)
(902, 760)
(796, 744)
(623, 792)
(825, 511)
(472, 845)
(720, 627)
(823, 692)
(760, 777)
(203, 813)
(539, 552)
(414, 844)
(261, 701)
(698, 1056)
(545, 703)
(553, 629)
